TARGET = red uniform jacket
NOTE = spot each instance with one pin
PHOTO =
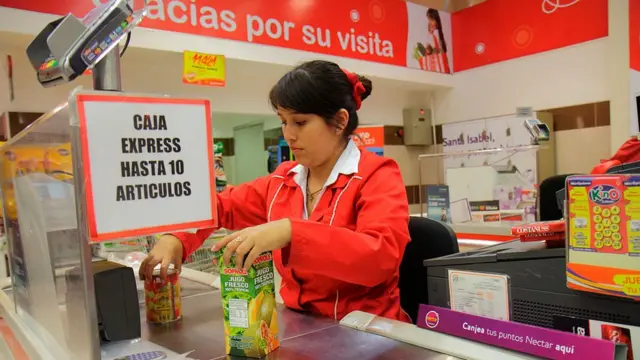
(627, 153)
(347, 255)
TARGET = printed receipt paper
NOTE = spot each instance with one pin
(481, 294)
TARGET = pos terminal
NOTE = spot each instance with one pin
(69, 46)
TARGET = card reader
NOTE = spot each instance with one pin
(538, 130)
(69, 46)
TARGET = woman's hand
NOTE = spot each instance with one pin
(168, 250)
(249, 243)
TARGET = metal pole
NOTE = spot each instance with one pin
(106, 76)
(106, 73)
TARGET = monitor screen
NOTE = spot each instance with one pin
(638, 113)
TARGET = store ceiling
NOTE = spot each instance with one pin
(449, 6)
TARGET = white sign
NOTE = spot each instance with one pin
(490, 175)
(148, 163)
(480, 294)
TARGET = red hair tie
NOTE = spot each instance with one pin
(358, 88)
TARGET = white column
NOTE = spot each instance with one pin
(618, 54)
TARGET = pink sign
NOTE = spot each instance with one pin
(545, 343)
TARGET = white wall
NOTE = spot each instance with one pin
(570, 76)
(570, 161)
(224, 123)
(618, 71)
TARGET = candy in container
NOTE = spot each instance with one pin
(162, 297)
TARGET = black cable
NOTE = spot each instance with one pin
(126, 44)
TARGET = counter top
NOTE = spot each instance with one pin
(302, 336)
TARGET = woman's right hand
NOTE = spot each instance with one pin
(168, 250)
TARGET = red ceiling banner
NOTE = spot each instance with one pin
(499, 30)
(634, 34)
(385, 31)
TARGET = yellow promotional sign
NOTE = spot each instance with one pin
(203, 69)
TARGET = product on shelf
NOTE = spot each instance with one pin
(57, 162)
(603, 234)
(162, 297)
(604, 215)
(18, 160)
(21, 160)
(544, 230)
(249, 306)
(53, 160)
(221, 177)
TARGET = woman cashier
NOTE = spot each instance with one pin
(336, 219)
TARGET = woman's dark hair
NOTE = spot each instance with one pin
(434, 15)
(319, 87)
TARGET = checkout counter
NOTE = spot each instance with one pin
(63, 304)
(48, 246)
(199, 335)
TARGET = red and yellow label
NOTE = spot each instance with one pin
(604, 280)
(204, 69)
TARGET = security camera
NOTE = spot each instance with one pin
(538, 130)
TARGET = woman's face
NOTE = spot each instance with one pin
(312, 141)
(432, 24)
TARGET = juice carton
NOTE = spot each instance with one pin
(249, 305)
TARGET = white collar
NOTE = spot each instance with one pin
(347, 164)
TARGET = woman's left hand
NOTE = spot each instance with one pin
(249, 243)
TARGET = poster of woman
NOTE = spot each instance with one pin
(429, 39)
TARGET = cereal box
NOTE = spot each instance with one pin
(603, 240)
(249, 305)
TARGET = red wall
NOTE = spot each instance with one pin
(634, 34)
(499, 30)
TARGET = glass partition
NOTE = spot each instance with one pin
(483, 187)
(52, 295)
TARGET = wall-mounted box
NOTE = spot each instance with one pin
(418, 126)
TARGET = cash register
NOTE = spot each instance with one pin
(117, 303)
(538, 284)
(537, 275)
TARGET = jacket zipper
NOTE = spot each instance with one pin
(335, 306)
(335, 206)
(273, 201)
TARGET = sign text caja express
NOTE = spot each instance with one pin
(141, 157)
(151, 124)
